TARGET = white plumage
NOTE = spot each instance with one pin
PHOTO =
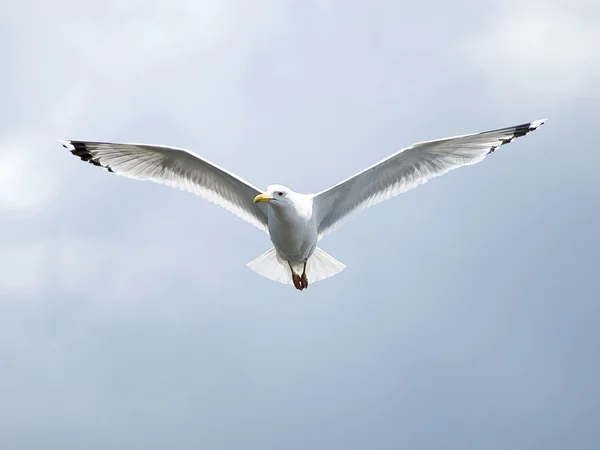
(296, 222)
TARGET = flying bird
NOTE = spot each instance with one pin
(296, 222)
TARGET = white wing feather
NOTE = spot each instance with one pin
(178, 168)
(405, 170)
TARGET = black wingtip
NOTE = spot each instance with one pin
(84, 152)
(519, 131)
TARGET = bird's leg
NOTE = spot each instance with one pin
(304, 277)
(296, 279)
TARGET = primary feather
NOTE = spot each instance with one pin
(177, 168)
(405, 170)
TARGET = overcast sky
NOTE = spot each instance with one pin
(468, 315)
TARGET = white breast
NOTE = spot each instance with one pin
(293, 230)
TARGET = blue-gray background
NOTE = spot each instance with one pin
(467, 316)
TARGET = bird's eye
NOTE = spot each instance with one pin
(280, 193)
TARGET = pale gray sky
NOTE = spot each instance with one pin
(467, 316)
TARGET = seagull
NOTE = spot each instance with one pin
(296, 222)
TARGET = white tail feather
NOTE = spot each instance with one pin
(269, 265)
(320, 266)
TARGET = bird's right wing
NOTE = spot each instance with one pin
(407, 169)
(177, 168)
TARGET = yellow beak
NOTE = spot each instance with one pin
(262, 198)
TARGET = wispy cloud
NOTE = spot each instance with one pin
(539, 50)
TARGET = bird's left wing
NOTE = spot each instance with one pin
(178, 168)
(407, 169)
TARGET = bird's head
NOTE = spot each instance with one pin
(276, 195)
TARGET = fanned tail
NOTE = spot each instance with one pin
(319, 266)
(271, 266)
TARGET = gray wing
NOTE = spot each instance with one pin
(177, 168)
(407, 169)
